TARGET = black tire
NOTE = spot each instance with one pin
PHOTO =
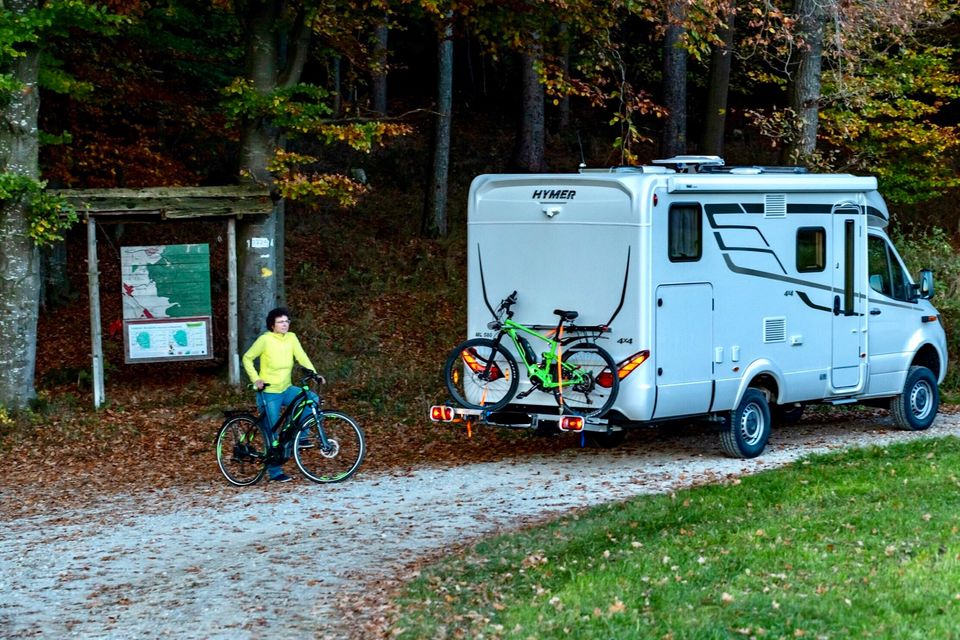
(787, 413)
(242, 450)
(342, 455)
(916, 407)
(747, 428)
(598, 394)
(481, 387)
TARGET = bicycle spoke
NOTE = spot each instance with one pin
(332, 450)
(241, 451)
(582, 392)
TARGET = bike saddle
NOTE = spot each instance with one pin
(566, 315)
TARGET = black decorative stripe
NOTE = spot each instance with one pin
(807, 301)
(623, 292)
(724, 247)
(730, 207)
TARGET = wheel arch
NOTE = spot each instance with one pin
(764, 376)
(928, 356)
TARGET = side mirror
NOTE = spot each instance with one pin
(925, 288)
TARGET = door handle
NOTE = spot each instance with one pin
(874, 311)
(836, 305)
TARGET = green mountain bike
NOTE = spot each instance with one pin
(481, 373)
(327, 445)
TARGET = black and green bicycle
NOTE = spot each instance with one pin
(481, 373)
(327, 445)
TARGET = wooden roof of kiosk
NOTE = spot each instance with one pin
(159, 204)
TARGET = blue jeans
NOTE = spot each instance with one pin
(271, 405)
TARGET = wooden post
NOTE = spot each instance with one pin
(96, 339)
(233, 355)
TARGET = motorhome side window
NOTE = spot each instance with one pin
(811, 249)
(684, 235)
(886, 274)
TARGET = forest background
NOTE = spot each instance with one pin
(370, 119)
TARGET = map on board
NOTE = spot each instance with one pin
(166, 302)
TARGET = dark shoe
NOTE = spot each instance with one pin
(305, 443)
(281, 478)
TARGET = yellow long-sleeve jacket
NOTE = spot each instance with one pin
(277, 353)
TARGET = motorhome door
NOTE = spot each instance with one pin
(684, 318)
(848, 252)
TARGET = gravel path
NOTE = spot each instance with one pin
(273, 560)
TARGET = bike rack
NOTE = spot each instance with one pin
(445, 413)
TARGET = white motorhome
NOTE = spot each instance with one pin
(746, 292)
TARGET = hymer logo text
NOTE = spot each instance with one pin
(554, 194)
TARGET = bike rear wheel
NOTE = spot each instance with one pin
(475, 385)
(340, 457)
(242, 450)
(596, 392)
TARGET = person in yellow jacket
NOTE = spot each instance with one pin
(278, 350)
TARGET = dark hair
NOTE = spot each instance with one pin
(274, 314)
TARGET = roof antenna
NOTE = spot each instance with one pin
(583, 161)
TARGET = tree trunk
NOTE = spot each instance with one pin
(19, 257)
(563, 115)
(435, 220)
(804, 84)
(721, 59)
(260, 238)
(379, 88)
(531, 143)
(674, 140)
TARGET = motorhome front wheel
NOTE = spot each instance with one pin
(916, 407)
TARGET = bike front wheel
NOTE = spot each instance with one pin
(590, 380)
(333, 455)
(481, 374)
(242, 450)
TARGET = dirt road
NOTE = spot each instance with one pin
(273, 561)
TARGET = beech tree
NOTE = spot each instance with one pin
(674, 136)
(435, 215)
(270, 106)
(28, 217)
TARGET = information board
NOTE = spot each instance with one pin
(166, 302)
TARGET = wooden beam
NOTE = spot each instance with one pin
(171, 202)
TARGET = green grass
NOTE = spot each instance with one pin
(862, 544)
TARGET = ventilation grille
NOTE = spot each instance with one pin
(775, 205)
(774, 330)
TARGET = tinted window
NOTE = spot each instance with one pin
(811, 249)
(684, 233)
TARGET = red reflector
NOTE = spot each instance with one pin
(605, 379)
(441, 413)
(571, 423)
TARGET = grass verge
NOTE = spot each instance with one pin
(858, 544)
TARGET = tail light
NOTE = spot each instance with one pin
(441, 413)
(625, 368)
(479, 365)
(571, 423)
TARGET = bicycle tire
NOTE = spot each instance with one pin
(597, 395)
(242, 450)
(343, 454)
(466, 384)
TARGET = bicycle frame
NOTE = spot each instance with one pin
(543, 374)
(291, 415)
